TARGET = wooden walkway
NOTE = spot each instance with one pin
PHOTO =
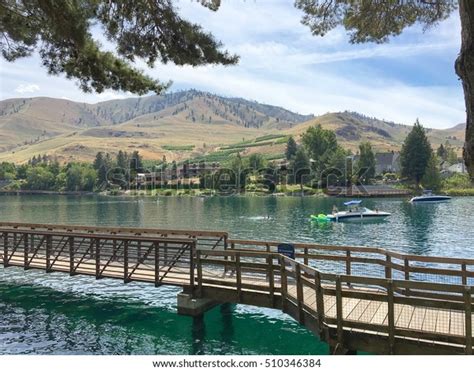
(408, 305)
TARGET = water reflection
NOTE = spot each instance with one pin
(198, 335)
(419, 221)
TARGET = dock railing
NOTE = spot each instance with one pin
(372, 261)
(402, 311)
(143, 258)
(204, 239)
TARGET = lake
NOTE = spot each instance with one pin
(55, 314)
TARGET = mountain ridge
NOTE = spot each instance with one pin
(75, 131)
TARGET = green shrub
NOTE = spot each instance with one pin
(178, 148)
(460, 181)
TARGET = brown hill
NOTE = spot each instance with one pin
(178, 125)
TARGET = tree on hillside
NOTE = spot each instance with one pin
(80, 177)
(291, 148)
(102, 164)
(432, 177)
(415, 154)
(320, 145)
(300, 166)
(152, 30)
(255, 161)
(441, 152)
(39, 178)
(366, 163)
(377, 21)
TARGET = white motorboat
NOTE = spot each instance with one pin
(428, 196)
(356, 212)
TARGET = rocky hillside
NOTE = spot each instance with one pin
(178, 125)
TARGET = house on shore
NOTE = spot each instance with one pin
(385, 162)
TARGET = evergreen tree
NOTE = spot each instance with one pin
(320, 145)
(300, 166)
(432, 177)
(60, 33)
(366, 163)
(391, 18)
(102, 164)
(291, 148)
(441, 152)
(136, 162)
(415, 154)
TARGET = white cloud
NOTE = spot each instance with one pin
(283, 64)
(27, 88)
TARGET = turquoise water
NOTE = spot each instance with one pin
(53, 313)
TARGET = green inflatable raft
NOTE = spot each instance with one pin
(319, 218)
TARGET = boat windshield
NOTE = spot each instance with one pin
(427, 192)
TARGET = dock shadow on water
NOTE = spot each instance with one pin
(54, 314)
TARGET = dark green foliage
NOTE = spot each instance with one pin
(169, 147)
(247, 145)
(80, 177)
(255, 161)
(415, 154)
(300, 166)
(320, 145)
(103, 165)
(269, 136)
(447, 153)
(372, 21)
(366, 163)
(441, 152)
(432, 177)
(39, 178)
(60, 32)
(291, 148)
(377, 21)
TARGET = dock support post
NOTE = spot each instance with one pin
(25, 253)
(5, 249)
(338, 350)
(468, 319)
(189, 306)
(71, 256)
(49, 247)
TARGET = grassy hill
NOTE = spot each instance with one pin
(188, 124)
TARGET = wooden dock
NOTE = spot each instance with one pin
(354, 298)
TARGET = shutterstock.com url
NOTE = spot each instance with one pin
(234, 363)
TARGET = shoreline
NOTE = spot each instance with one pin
(209, 193)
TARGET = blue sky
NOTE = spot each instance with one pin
(281, 63)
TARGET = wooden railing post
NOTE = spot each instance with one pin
(125, 261)
(199, 273)
(49, 247)
(306, 260)
(238, 276)
(391, 315)
(114, 249)
(157, 263)
(5, 249)
(283, 283)
(192, 268)
(464, 273)
(299, 292)
(226, 258)
(319, 302)
(271, 282)
(348, 263)
(407, 274)
(388, 266)
(71, 255)
(339, 317)
(25, 252)
(468, 318)
(97, 258)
